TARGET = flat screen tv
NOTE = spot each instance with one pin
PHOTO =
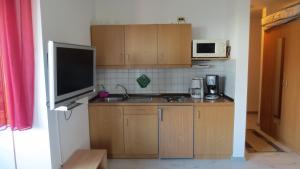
(71, 72)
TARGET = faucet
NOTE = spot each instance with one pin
(125, 93)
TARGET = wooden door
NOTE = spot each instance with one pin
(106, 129)
(141, 131)
(176, 132)
(141, 44)
(213, 131)
(174, 44)
(288, 125)
(273, 61)
(109, 43)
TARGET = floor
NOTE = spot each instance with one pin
(288, 160)
(254, 161)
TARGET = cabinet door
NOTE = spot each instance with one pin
(141, 44)
(106, 129)
(176, 132)
(174, 44)
(141, 130)
(109, 43)
(213, 131)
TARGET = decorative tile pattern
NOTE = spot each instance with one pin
(166, 80)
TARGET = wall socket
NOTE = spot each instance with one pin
(181, 19)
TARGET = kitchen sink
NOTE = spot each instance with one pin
(130, 99)
(139, 99)
(113, 99)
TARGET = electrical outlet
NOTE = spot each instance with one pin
(181, 19)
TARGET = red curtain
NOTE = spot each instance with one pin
(16, 64)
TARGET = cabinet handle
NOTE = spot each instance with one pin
(161, 115)
(198, 114)
(127, 121)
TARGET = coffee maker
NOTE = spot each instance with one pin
(197, 88)
(212, 85)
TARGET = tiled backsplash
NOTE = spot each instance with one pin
(166, 80)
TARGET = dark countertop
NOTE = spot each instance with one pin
(158, 100)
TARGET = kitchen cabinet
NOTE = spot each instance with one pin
(176, 132)
(109, 43)
(174, 44)
(213, 131)
(141, 44)
(106, 129)
(141, 131)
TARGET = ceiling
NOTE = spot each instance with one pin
(259, 4)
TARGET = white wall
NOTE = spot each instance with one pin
(7, 155)
(240, 32)
(211, 19)
(67, 21)
(254, 61)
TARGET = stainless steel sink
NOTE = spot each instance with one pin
(113, 99)
(139, 99)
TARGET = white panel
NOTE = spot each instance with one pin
(74, 133)
(7, 158)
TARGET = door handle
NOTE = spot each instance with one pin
(198, 114)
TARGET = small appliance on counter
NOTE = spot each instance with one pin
(197, 88)
(212, 84)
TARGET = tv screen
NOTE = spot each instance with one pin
(71, 73)
(74, 69)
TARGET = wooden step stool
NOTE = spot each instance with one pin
(87, 159)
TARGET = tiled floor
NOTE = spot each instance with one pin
(254, 161)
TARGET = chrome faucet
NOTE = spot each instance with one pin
(125, 93)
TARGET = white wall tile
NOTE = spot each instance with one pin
(166, 80)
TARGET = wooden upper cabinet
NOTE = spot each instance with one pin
(141, 131)
(213, 131)
(176, 132)
(106, 129)
(141, 44)
(109, 43)
(174, 44)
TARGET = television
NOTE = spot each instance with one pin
(71, 73)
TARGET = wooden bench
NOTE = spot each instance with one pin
(87, 159)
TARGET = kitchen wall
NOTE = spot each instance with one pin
(166, 80)
(254, 61)
(206, 23)
(211, 19)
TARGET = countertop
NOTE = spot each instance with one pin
(158, 100)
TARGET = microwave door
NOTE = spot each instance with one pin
(206, 49)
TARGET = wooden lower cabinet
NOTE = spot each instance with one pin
(141, 131)
(124, 131)
(176, 132)
(213, 131)
(106, 129)
(204, 131)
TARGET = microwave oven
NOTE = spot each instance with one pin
(209, 48)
